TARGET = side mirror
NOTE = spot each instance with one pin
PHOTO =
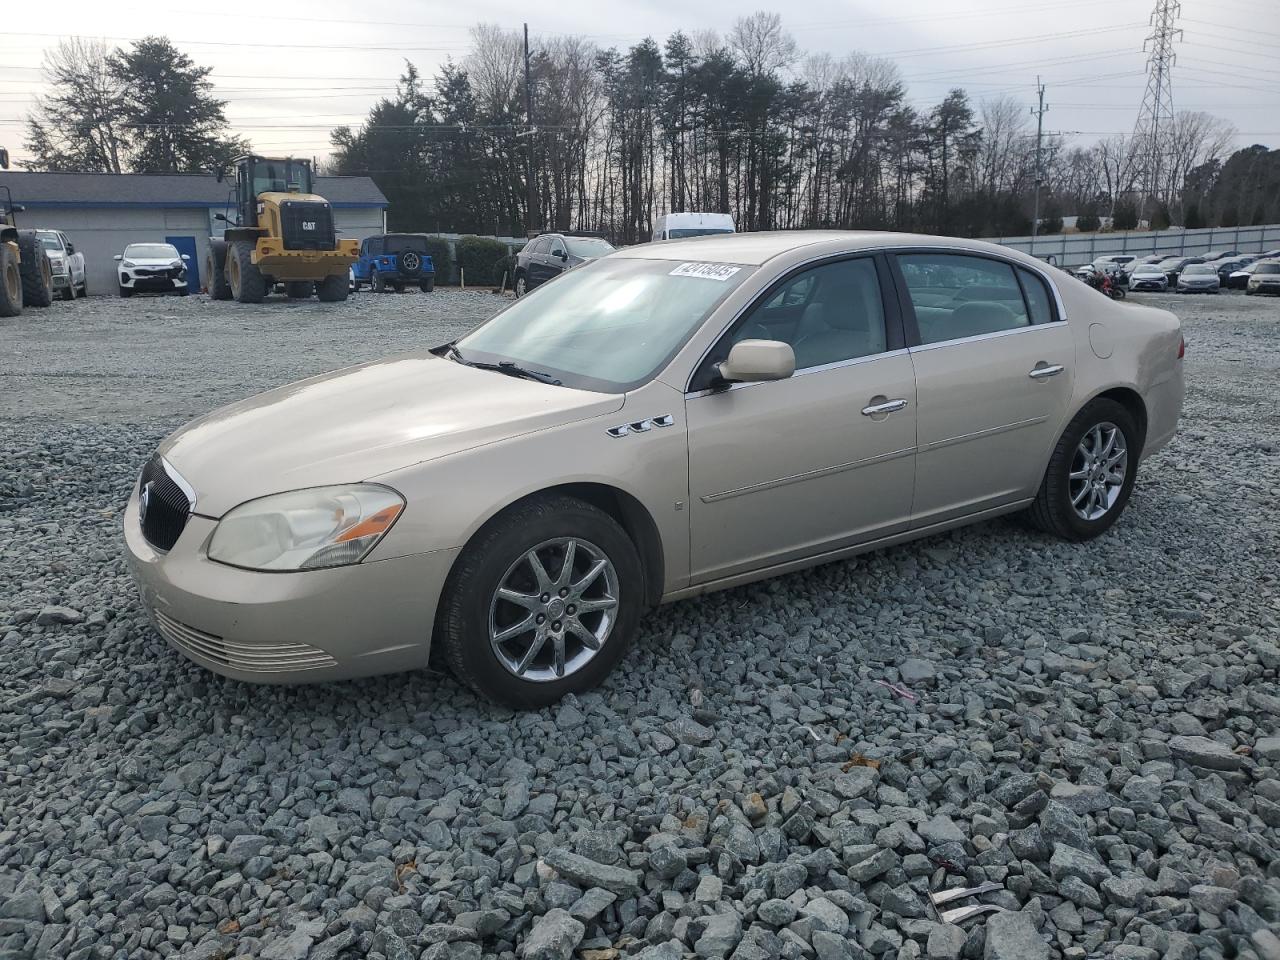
(118, 257)
(71, 248)
(751, 361)
(17, 208)
(562, 254)
(186, 256)
(222, 217)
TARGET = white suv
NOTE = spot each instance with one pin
(66, 262)
(152, 268)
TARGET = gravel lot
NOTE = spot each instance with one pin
(1095, 728)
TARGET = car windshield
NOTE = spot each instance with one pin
(683, 232)
(49, 240)
(396, 244)
(1195, 269)
(1171, 263)
(588, 246)
(1148, 270)
(1268, 268)
(608, 326)
(150, 251)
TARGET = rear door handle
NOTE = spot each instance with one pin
(1043, 371)
(886, 406)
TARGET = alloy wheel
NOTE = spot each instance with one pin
(1098, 471)
(553, 609)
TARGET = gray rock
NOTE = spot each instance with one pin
(554, 936)
(1210, 899)
(1067, 861)
(946, 941)
(776, 912)
(1206, 753)
(589, 873)
(916, 671)
(719, 936)
(57, 616)
(1013, 936)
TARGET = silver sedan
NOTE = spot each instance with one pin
(671, 419)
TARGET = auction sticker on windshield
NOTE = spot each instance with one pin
(707, 271)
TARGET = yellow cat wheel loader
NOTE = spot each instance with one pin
(26, 278)
(283, 233)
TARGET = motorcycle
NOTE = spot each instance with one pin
(1110, 283)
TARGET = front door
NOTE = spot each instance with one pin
(994, 369)
(793, 468)
(187, 245)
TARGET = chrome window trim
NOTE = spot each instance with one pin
(977, 337)
(820, 368)
(871, 252)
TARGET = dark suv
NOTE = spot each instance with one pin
(546, 257)
(394, 260)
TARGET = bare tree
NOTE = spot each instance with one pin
(79, 125)
(761, 44)
(1193, 138)
(1003, 152)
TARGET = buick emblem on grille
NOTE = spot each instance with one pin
(144, 499)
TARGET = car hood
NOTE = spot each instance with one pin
(155, 261)
(359, 423)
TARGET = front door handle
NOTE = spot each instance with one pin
(1043, 371)
(883, 406)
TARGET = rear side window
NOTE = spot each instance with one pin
(957, 296)
(1037, 293)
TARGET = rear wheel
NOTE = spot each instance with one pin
(215, 268)
(333, 289)
(426, 286)
(522, 285)
(84, 285)
(248, 285)
(10, 282)
(379, 285)
(37, 274)
(299, 289)
(1090, 474)
(543, 602)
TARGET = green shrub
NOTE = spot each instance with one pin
(476, 257)
(1125, 217)
(1088, 222)
(441, 259)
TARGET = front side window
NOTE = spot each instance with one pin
(49, 240)
(609, 325)
(557, 247)
(957, 296)
(828, 313)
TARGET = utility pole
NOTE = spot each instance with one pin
(1039, 111)
(1157, 101)
(532, 198)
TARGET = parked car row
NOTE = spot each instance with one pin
(1206, 273)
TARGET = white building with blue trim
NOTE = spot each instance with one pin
(102, 213)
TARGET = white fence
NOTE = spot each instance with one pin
(1070, 249)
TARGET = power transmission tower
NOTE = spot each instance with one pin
(1039, 111)
(1156, 112)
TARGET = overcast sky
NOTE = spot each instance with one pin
(329, 67)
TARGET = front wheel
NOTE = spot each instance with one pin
(426, 286)
(1090, 474)
(544, 601)
(377, 283)
(332, 289)
(126, 292)
(522, 285)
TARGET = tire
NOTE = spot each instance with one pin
(37, 274)
(126, 292)
(84, 286)
(1053, 511)
(426, 286)
(215, 268)
(184, 291)
(521, 284)
(299, 289)
(496, 557)
(377, 283)
(398, 287)
(332, 289)
(248, 285)
(70, 292)
(10, 282)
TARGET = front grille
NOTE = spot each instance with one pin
(251, 658)
(307, 225)
(162, 506)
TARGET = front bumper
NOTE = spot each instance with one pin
(1269, 287)
(1197, 287)
(305, 627)
(61, 281)
(1158, 285)
(147, 283)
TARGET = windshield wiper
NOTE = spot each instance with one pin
(509, 367)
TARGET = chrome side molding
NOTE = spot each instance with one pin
(641, 426)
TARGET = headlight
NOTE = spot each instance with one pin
(306, 529)
(129, 263)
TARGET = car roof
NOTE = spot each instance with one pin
(757, 248)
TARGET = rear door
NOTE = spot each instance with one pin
(994, 364)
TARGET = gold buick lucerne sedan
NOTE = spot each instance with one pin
(671, 419)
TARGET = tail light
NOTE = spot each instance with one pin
(1182, 347)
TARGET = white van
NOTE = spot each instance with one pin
(671, 226)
